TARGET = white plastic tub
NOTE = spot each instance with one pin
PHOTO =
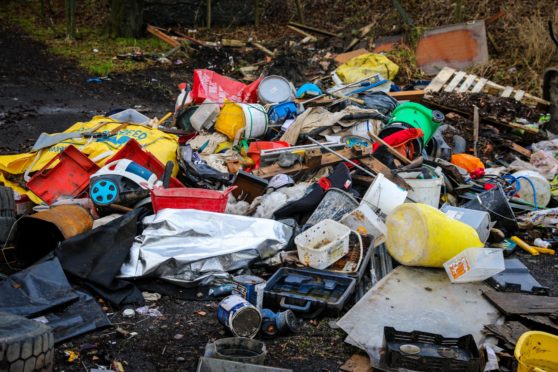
(256, 120)
(204, 117)
(384, 195)
(475, 265)
(323, 244)
(426, 191)
(364, 221)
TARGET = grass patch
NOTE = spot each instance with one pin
(93, 50)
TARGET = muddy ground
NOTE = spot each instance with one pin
(43, 93)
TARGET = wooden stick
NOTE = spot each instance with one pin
(263, 49)
(389, 148)
(313, 29)
(304, 33)
(208, 13)
(299, 11)
(162, 36)
(475, 128)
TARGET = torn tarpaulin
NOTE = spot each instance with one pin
(44, 289)
(95, 258)
(36, 289)
(186, 246)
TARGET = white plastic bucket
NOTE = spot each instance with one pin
(542, 187)
(204, 117)
(475, 265)
(255, 119)
(364, 221)
(426, 191)
(275, 89)
(323, 244)
(384, 195)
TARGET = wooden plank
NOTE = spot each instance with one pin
(507, 92)
(541, 321)
(345, 57)
(327, 159)
(521, 150)
(518, 304)
(377, 166)
(455, 81)
(467, 83)
(519, 95)
(508, 332)
(408, 95)
(438, 82)
(162, 36)
(479, 86)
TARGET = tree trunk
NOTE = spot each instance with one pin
(70, 6)
(126, 18)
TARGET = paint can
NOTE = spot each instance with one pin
(251, 288)
(240, 316)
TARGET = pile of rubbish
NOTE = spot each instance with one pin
(400, 212)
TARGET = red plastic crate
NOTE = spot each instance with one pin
(70, 177)
(190, 198)
(133, 151)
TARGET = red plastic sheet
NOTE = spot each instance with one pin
(210, 85)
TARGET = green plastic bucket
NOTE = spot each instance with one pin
(418, 116)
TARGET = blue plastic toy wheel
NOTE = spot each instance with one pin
(104, 192)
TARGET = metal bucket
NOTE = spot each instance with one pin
(275, 89)
(40, 233)
(240, 316)
(238, 349)
(334, 205)
(251, 288)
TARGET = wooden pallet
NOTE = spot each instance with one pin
(450, 80)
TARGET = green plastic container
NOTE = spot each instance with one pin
(418, 116)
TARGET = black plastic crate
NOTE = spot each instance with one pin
(422, 351)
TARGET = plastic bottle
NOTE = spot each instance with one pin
(183, 98)
(541, 243)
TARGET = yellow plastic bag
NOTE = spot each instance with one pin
(366, 65)
(162, 145)
(230, 120)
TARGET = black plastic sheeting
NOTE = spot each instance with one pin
(82, 316)
(94, 258)
(36, 289)
(43, 289)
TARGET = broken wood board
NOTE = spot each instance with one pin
(162, 36)
(508, 332)
(520, 150)
(327, 159)
(518, 304)
(541, 322)
(357, 363)
(377, 166)
(451, 80)
(345, 57)
(458, 46)
(417, 299)
(408, 95)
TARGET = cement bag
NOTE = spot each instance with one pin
(366, 65)
(162, 145)
(210, 85)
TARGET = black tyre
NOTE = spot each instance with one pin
(25, 345)
(7, 213)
